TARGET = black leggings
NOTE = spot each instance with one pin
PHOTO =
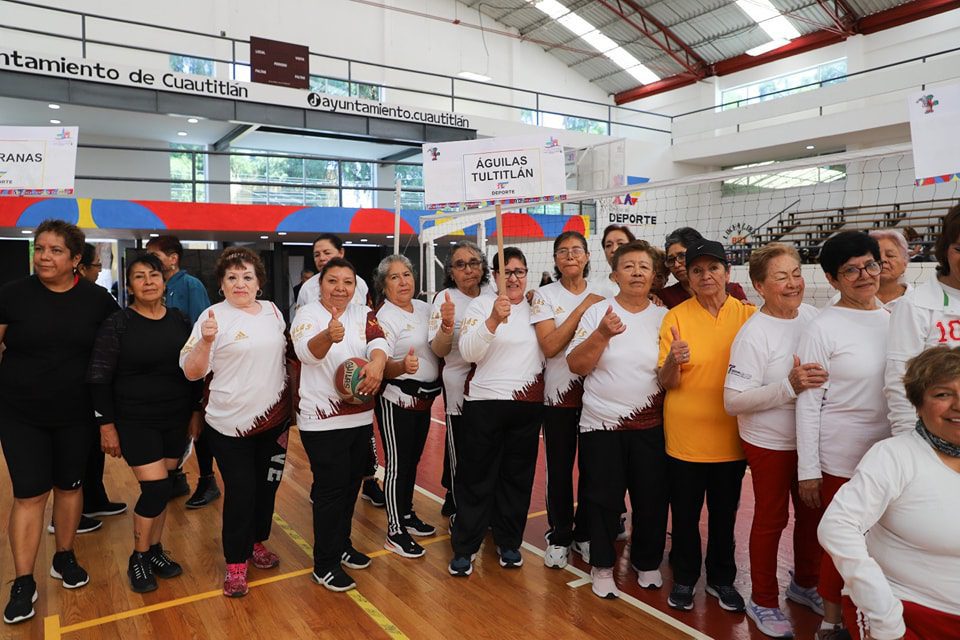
(560, 428)
(251, 468)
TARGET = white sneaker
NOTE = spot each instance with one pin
(583, 548)
(650, 579)
(807, 596)
(556, 556)
(603, 583)
(769, 620)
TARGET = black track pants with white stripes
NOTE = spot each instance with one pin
(404, 433)
(496, 457)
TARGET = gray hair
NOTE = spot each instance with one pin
(380, 274)
(896, 237)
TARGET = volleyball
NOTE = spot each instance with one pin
(347, 378)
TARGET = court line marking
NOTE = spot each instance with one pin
(627, 598)
(51, 627)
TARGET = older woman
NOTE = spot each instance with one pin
(835, 429)
(403, 408)
(497, 446)
(676, 246)
(240, 344)
(336, 433)
(763, 381)
(614, 236)
(48, 323)
(894, 256)
(90, 265)
(926, 316)
(621, 426)
(703, 445)
(467, 276)
(555, 314)
(144, 404)
(892, 530)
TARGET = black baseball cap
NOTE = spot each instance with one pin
(705, 247)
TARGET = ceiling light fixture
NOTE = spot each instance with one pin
(281, 233)
(472, 75)
(26, 231)
(363, 239)
(264, 237)
(53, 106)
(193, 120)
(181, 133)
(810, 147)
(54, 121)
(154, 235)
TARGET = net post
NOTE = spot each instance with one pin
(396, 219)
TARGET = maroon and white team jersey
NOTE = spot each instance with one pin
(321, 408)
(623, 392)
(248, 362)
(455, 368)
(402, 330)
(562, 387)
(507, 364)
(927, 316)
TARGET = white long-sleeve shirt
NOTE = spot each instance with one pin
(321, 408)
(508, 363)
(893, 532)
(756, 389)
(838, 422)
(402, 330)
(927, 316)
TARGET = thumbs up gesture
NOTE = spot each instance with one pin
(610, 324)
(208, 328)
(679, 349)
(411, 362)
(806, 376)
(447, 310)
(335, 328)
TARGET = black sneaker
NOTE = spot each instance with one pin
(106, 509)
(449, 506)
(681, 597)
(140, 572)
(87, 525)
(335, 580)
(180, 485)
(23, 594)
(372, 492)
(162, 564)
(403, 545)
(417, 527)
(510, 558)
(207, 491)
(728, 597)
(65, 568)
(353, 559)
(461, 566)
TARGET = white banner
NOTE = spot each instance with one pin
(494, 170)
(37, 160)
(108, 73)
(934, 131)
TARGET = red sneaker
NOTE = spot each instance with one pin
(235, 582)
(263, 558)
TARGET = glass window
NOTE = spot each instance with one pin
(195, 66)
(780, 86)
(760, 182)
(185, 167)
(335, 87)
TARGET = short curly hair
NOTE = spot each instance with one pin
(936, 364)
(72, 236)
(236, 258)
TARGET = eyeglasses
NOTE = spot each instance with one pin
(574, 252)
(515, 273)
(851, 273)
(460, 265)
(680, 258)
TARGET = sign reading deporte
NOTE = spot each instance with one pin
(98, 71)
(505, 170)
(37, 160)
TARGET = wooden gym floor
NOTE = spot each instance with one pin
(395, 598)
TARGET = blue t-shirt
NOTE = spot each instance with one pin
(186, 293)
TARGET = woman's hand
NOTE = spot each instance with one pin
(679, 349)
(371, 376)
(501, 309)
(810, 492)
(335, 328)
(610, 324)
(447, 314)
(195, 426)
(655, 299)
(208, 328)
(109, 440)
(806, 376)
(411, 362)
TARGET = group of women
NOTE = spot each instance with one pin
(667, 393)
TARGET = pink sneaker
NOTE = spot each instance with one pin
(263, 558)
(235, 582)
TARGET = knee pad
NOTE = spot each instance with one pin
(154, 495)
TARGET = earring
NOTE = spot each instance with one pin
(259, 293)
(220, 291)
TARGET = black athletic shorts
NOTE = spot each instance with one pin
(142, 444)
(41, 457)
